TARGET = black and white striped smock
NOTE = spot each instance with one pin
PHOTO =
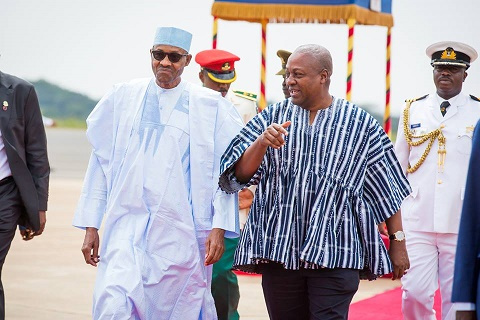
(319, 197)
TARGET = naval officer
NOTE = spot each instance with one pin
(433, 145)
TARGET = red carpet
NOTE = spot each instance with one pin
(384, 306)
(241, 273)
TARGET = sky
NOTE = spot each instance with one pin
(87, 46)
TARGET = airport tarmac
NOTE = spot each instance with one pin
(47, 278)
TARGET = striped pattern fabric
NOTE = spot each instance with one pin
(319, 197)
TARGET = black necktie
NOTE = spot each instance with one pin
(443, 107)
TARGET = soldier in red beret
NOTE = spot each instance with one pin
(218, 73)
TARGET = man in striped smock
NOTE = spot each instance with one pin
(327, 174)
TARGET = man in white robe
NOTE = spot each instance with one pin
(153, 178)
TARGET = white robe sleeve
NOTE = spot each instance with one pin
(225, 206)
(93, 199)
(92, 204)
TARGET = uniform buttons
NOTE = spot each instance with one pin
(439, 181)
(442, 126)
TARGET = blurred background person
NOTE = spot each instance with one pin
(466, 287)
(24, 166)
(217, 72)
(283, 55)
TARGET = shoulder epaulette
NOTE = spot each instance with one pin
(474, 98)
(416, 99)
(246, 95)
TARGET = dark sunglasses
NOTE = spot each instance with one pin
(172, 56)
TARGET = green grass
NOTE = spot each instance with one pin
(70, 123)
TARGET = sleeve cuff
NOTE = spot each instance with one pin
(464, 306)
(225, 215)
(89, 213)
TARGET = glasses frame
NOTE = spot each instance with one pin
(170, 55)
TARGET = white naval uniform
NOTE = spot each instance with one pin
(431, 213)
(247, 108)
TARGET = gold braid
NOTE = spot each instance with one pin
(431, 136)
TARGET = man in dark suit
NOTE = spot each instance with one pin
(24, 168)
(466, 287)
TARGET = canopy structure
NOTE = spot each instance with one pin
(350, 12)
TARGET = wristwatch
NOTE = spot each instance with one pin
(397, 236)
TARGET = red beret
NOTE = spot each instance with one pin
(219, 64)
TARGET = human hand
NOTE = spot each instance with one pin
(245, 198)
(214, 246)
(26, 233)
(466, 315)
(273, 135)
(399, 257)
(382, 228)
(90, 246)
(43, 220)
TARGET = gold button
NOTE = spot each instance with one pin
(439, 181)
(442, 126)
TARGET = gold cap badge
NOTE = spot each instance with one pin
(449, 54)
(226, 66)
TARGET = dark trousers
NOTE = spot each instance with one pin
(323, 294)
(225, 289)
(11, 208)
